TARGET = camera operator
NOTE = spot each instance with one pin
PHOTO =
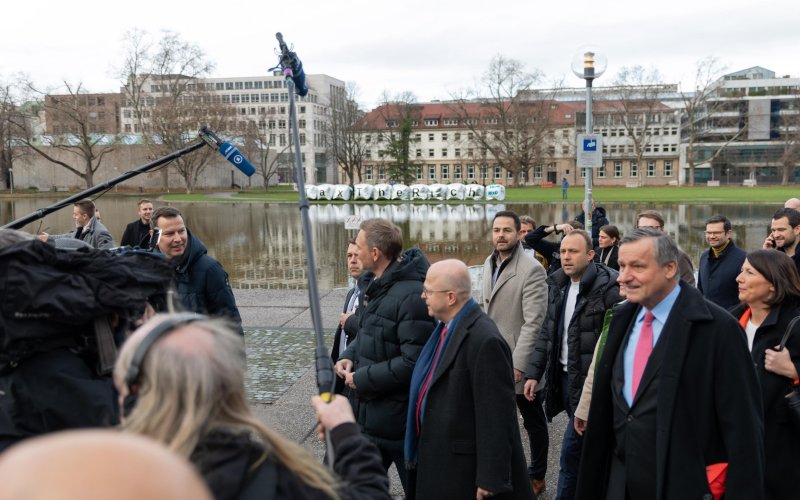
(64, 313)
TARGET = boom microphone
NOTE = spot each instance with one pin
(291, 61)
(229, 151)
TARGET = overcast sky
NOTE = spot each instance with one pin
(431, 48)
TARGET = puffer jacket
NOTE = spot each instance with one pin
(598, 291)
(392, 330)
(203, 285)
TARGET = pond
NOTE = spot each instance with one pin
(261, 244)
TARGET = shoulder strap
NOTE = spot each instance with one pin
(788, 333)
(263, 484)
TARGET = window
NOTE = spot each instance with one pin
(419, 153)
(470, 152)
(470, 171)
(430, 137)
(564, 149)
(445, 171)
(584, 170)
(258, 85)
(419, 172)
(444, 152)
(634, 169)
(457, 136)
(457, 153)
(498, 172)
(565, 134)
(368, 172)
(601, 172)
(239, 85)
(617, 169)
(456, 171)
(219, 86)
(431, 123)
(381, 173)
(469, 136)
(248, 85)
(537, 172)
(228, 85)
(668, 168)
(444, 136)
(430, 153)
(651, 168)
(432, 172)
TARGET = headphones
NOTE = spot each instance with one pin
(135, 369)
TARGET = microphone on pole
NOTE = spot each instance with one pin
(292, 67)
(229, 151)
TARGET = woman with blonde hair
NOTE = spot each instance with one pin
(181, 381)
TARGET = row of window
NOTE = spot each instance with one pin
(444, 171)
(616, 169)
(622, 132)
(265, 84)
(648, 148)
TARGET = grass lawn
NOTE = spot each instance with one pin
(667, 194)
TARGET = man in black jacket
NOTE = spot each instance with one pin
(202, 283)
(392, 329)
(137, 233)
(579, 294)
(720, 264)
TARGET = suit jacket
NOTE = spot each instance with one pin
(708, 405)
(469, 435)
(517, 304)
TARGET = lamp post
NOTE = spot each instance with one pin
(588, 64)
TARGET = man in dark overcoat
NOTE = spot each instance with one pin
(675, 407)
(462, 437)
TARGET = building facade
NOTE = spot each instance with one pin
(256, 103)
(749, 131)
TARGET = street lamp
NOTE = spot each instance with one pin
(589, 63)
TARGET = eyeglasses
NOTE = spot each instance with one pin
(426, 292)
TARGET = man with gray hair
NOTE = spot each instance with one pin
(676, 407)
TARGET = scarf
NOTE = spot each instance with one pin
(425, 363)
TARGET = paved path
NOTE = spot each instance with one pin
(291, 414)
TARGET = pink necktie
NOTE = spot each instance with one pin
(428, 378)
(643, 349)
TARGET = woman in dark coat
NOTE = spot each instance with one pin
(769, 289)
(608, 246)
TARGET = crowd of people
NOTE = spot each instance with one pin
(673, 387)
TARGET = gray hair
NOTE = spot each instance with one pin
(666, 250)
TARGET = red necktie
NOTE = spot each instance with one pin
(643, 349)
(424, 388)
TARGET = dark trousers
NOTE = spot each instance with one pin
(535, 423)
(570, 450)
(395, 455)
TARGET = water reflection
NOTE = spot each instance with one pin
(261, 244)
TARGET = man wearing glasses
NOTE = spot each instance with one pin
(720, 264)
(514, 295)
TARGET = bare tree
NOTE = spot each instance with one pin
(266, 157)
(700, 111)
(789, 133)
(10, 114)
(507, 119)
(345, 134)
(168, 100)
(77, 137)
(639, 109)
